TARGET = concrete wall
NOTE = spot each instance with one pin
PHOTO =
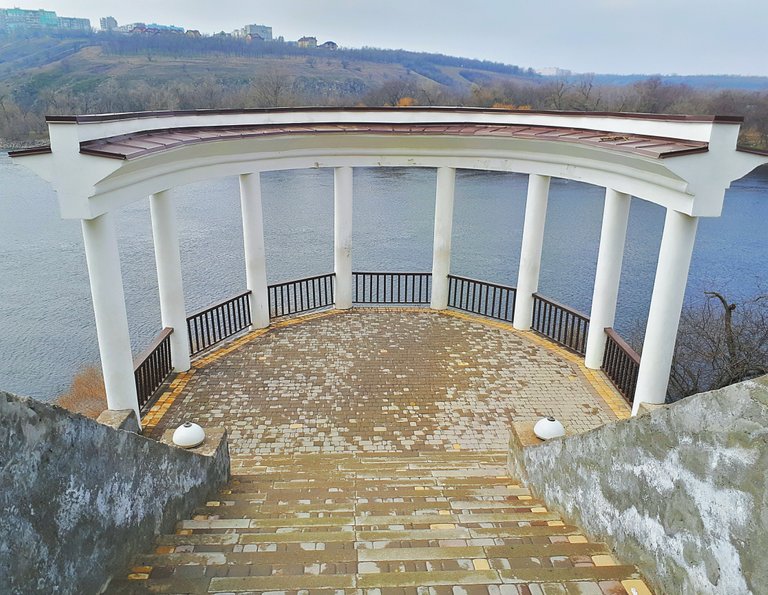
(78, 498)
(680, 491)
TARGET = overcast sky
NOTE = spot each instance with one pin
(606, 36)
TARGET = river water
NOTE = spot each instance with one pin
(48, 331)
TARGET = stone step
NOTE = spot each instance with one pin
(518, 496)
(137, 586)
(340, 521)
(497, 557)
(281, 583)
(385, 523)
(259, 511)
(465, 533)
(369, 483)
(423, 519)
(569, 575)
(427, 579)
(273, 558)
(435, 521)
(488, 552)
(323, 535)
(448, 506)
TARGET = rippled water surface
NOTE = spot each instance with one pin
(47, 321)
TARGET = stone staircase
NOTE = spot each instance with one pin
(429, 523)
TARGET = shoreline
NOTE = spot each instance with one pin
(6, 145)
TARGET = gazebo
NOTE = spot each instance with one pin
(100, 163)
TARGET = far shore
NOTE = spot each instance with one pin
(15, 145)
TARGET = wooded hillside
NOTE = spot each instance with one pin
(111, 73)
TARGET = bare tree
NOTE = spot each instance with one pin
(719, 343)
(272, 89)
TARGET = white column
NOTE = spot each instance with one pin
(666, 304)
(612, 237)
(441, 254)
(255, 255)
(530, 254)
(173, 312)
(103, 260)
(342, 227)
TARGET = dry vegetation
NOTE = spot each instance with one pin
(124, 73)
(86, 395)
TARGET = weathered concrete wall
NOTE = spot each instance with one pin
(78, 498)
(680, 491)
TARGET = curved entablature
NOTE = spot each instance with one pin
(100, 162)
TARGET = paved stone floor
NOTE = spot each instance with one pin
(381, 380)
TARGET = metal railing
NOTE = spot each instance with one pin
(481, 297)
(152, 367)
(219, 321)
(391, 288)
(560, 323)
(621, 364)
(301, 295)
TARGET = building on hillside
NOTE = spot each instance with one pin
(20, 20)
(308, 42)
(156, 28)
(108, 23)
(131, 28)
(74, 24)
(193, 33)
(329, 45)
(255, 32)
(553, 71)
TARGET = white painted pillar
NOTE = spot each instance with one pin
(612, 238)
(530, 254)
(342, 227)
(441, 254)
(666, 304)
(255, 255)
(101, 253)
(173, 312)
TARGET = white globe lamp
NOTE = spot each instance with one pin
(188, 435)
(547, 428)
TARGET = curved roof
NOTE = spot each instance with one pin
(101, 161)
(132, 146)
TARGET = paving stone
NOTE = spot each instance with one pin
(384, 381)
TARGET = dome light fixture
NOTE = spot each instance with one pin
(188, 435)
(547, 428)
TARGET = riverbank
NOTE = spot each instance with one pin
(16, 145)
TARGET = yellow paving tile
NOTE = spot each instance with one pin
(604, 560)
(636, 587)
(141, 569)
